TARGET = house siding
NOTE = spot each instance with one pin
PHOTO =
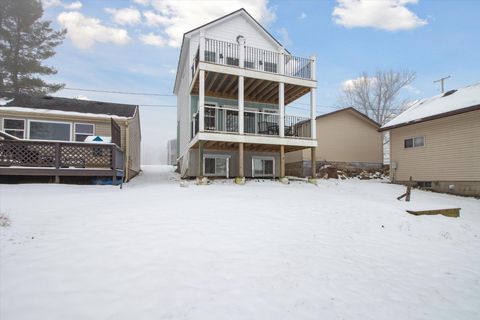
(451, 151)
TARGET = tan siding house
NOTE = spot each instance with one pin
(76, 115)
(345, 137)
(440, 151)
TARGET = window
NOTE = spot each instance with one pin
(50, 130)
(263, 166)
(210, 117)
(249, 64)
(232, 61)
(83, 130)
(418, 142)
(15, 127)
(210, 56)
(414, 142)
(216, 165)
(270, 67)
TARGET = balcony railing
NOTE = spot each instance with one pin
(60, 155)
(219, 119)
(227, 53)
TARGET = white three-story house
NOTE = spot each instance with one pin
(234, 83)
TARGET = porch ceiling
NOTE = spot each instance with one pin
(256, 90)
(232, 146)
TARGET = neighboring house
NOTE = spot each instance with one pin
(172, 152)
(346, 138)
(51, 136)
(437, 142)
(233, 82)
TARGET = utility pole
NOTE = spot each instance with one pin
(441, 80)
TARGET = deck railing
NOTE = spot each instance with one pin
(221, 119)
(59, 155)
(227, 53)
(262, 60)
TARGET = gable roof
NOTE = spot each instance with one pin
(355, 111)
(240, 11)
(71, 105)
(444, 105)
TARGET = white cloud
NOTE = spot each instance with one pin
(285, 37)
(77, 5)
(85, 32)
(152, 19)
(178, 17)
(350, 83)
(153, 39)
(388, 15)
(125, 16)
(57, 3)
(302, 16)
(142, 2)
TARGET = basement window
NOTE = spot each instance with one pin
(424, 184)
(216, 165)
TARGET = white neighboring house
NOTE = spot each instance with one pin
(233, 83)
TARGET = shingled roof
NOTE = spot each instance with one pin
(72, 105)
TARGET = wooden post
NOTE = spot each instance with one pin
(58, 155)
(314, 161)
(282, 161)
(200, 159)
(406, 195)
(113, 165)
(241, 170)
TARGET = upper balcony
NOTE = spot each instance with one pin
(232, 54)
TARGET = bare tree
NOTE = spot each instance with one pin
(377, 96)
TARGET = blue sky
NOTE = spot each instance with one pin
(132, 45)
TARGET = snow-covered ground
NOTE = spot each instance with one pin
(155, 250)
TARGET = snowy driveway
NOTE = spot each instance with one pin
(154, 250)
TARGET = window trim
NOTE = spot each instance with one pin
(263, 158)
(49, 121)
(217, 156)
(24, 126)
(84, 123)
(413, 142)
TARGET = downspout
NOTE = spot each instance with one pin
(127, 149)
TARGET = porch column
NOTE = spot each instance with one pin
(200, 158)
(314, 161)
(313, 113)
(282, 161)
(201, 100)
(281, 107)
(201, 84)
(241, 171)
(240, 104)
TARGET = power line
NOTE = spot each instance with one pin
(123, 92)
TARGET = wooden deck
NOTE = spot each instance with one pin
(47, 158)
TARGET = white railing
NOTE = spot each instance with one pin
(226, 119)
(232, 54)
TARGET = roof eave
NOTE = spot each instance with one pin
(434, 117)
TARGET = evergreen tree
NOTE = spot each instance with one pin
(25, 41)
